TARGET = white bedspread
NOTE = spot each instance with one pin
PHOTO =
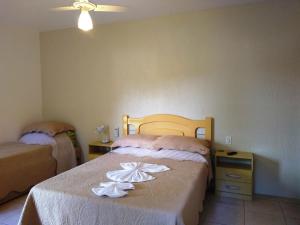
(167, 154)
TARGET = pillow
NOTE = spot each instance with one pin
(37, 139)
(135, 140)
(183, 143)
(50, 128)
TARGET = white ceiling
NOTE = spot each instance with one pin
(37, 13)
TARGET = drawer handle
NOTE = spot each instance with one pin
(234, 176)
(232, 187)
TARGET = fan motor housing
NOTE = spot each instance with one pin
(84, 5)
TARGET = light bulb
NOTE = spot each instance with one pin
(85, 22)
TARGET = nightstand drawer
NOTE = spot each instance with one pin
(234, 187)
(232, 174)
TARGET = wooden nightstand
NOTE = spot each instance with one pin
(97, 148)
(234, 174)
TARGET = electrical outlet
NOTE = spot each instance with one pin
(228, 140)
(116, 132)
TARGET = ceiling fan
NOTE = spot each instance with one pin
(85, 22)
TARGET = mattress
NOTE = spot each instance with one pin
(174, 198)
(22, 166)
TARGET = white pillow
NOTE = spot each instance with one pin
(37, 139)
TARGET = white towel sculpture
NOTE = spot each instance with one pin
(135, 172)
(131, 172)
(113, 189)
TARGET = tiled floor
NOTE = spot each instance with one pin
(10, 212)
(217, 211)
(260, 211)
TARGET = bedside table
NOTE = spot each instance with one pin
(97, 148)
(234, 174)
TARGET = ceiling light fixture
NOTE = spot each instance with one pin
(85, 22)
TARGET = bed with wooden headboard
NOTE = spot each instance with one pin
(166, 124)
(174, 198)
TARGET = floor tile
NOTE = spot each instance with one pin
(289, 200)
(7, 211)
(263, 205)
(292, 221)
(12, 220)
(206, 223)
(291, 210)
(226, 200)
(220, 213)
(10, 212)
(259, 218)
(11, 217)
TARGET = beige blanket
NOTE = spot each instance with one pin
(173, 198)
(22, 166)
(64, 153)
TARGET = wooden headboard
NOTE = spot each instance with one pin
(166, 124)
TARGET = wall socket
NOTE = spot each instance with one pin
(228, 140)
(116, 132)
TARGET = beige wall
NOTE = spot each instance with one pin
(20, 81)
(240, 65)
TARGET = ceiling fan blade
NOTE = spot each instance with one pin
(65, 8)
(110, 8)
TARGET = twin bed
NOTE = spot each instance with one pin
(174, 198)
(24, 165)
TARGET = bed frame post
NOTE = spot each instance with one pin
(209, 129)
(125, 125)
